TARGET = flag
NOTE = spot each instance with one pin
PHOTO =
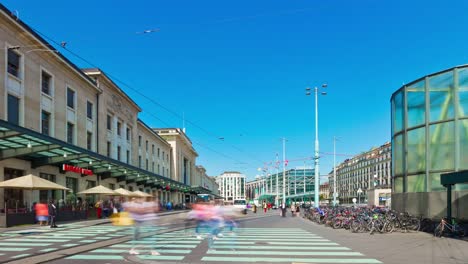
(286, 163)
(277, 162)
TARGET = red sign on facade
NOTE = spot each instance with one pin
(76, 169)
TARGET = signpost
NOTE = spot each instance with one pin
(359, 191)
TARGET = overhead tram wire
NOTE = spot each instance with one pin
(141, 94)
(144, 96)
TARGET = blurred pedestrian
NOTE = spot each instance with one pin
(42, 213)
(264, 206)
(98, 207)
(143, 213)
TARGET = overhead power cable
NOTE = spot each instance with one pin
(144, 96)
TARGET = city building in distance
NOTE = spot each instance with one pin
(299, 186)
(365, 177)
(231, 186)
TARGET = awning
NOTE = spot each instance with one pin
(41, 150)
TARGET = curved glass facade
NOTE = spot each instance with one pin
(429, 136)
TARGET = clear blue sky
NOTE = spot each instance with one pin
(238, 69)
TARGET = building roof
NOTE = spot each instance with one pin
(7, 13)
(429, 75)
(153, 132)
(97, 71)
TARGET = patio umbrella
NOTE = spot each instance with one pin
(123, 192)
(142, 194)
(99, 190)
(31, 182)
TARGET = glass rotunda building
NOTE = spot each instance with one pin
(429, 138)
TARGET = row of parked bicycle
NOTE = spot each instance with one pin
(381, 220)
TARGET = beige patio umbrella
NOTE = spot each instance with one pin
(31, 182)
(99, 190)
(142, 194)
(123, 192)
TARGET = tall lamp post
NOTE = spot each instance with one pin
(284, 171)
(316, 156)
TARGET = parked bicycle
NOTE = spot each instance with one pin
(451, 229)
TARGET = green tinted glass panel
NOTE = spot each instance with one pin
(416, 150)
(416, 183)
(435, 182)
(461, 187)
(442, 146)
(398, 185)
(397, 112)
(463, 92)
(397, 156)
(416, 103)
(441, 91)
(463, 126)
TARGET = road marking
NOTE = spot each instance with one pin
(276, 239)
(303, 260)
(20, 256)
(88, 241)
(280, 247)
(14, 249)
(235, 242)
(282, 253)
(305, 243)
(172, 251)
(48, 249)
(36, 240)
(165, 242)
(25, 244)
(70, 245)
(149, 257)
(155, 246)
(96, 257)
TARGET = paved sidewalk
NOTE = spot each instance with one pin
(71, 224)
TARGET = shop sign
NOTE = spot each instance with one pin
(77, 169)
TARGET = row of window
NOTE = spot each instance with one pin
(15, 68)
(165, 156)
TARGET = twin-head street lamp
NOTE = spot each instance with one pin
(316, 156)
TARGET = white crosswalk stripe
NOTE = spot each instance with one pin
(246, 245)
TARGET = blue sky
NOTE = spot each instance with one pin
(238, 69)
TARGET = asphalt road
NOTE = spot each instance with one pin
(266, 238)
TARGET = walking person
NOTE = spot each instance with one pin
(293, 209)
(143, 213)
(264, 207)
(42, 213)
(52, 213)
(98, 207)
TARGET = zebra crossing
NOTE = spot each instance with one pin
(35, 241)
(246, 245)
(173, 246)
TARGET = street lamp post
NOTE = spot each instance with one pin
(334, 171)
(316, 155)
(284, 171)
(277, 172)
